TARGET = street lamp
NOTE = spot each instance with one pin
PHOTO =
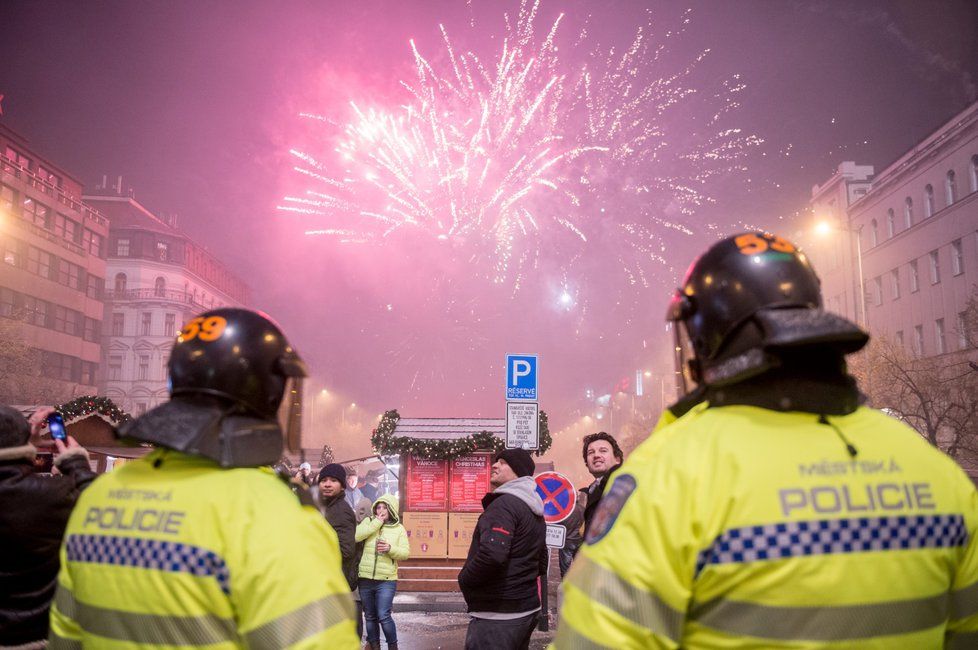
(824, 228)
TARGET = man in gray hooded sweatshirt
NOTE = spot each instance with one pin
(507, 555)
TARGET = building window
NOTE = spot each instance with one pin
(163, 251)
(950, 188)
(914, 277)
(895, 277)
(94, 286)
(159, 289)
(974, 173)
(92, 330)
(878, 290)
(140, 408)
(13, 252)
(39, 262)
(170, 325)
(939, 336)
(874, 235)
(907, 212)
(47, 176)
(69, 274)
(92, 242)
(60, 366)
(890, 223)
(928, 201)
(73, 322)
(37, 213)
(115, 368)
(146, 323)
(18, 158)
(88, 373)
(59, 318)
(957, 258)
(963, 334)
(6, 302)
(935, 268)
(7, 198)
(118, 323)
(143, 367)
(918, 340)
(899, 338)
(122, 248)
(36, 311)
(120, 282)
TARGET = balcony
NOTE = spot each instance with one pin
(11, 169)
(154, 295)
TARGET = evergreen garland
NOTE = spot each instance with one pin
(86, 405)
(386, 443)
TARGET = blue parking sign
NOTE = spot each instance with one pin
(521, 377)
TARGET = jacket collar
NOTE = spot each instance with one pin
(782, 390)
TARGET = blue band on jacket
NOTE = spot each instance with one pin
(149, 554)
(827, 536)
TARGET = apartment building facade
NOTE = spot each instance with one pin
(909, 236)
(157, 279)
(53, 249)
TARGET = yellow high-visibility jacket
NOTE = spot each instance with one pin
(741, 527)
(172, 550)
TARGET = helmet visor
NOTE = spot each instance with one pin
(290, 414)
(686, 378)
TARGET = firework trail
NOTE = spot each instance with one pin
(545, 148)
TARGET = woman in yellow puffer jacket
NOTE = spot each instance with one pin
(386, 543)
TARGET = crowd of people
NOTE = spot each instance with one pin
(770, 507)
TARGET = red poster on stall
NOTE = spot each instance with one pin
(427, 485)
(469, 480)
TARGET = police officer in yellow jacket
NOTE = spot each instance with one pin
(777, 512)
(196, 544)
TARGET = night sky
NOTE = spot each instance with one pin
(196, 105)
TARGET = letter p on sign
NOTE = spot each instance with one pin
(521, 368)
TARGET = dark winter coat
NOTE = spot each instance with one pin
(340, 516)
(594, 492)
(34, 510)
(508, 551)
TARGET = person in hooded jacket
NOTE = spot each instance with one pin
(385, 544)
(507, 554)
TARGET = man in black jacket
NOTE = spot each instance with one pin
(339, 515)
(507, 555)
(34, 511)
(602, 456)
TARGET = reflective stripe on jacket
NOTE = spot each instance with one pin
(173, 550)
(740, 527)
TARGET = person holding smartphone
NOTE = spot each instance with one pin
(34, 510)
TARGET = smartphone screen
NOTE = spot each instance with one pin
(57, 426)
(43, 462)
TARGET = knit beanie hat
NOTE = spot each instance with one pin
(333, 470)
(519, 460)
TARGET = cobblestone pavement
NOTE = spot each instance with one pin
(443, 630)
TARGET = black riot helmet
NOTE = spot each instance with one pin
(229, 372)
(236, 354)
(742, 301)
